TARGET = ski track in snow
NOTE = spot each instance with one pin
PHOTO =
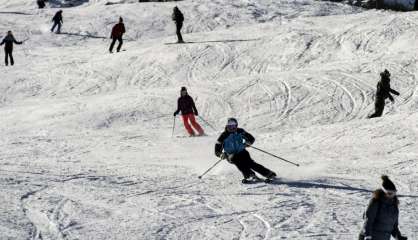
(86, 147)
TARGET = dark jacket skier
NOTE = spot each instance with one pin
(58, 21)
(8, 47)
(383, 92)
(231, 145)
(41, 3)
(382, 214)
(187, 107)
(117, 32)
(178, 18)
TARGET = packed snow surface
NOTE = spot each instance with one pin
(86, 146)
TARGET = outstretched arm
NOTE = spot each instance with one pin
(178, 108)
(249, 139)
(194, 108)
(394, 92)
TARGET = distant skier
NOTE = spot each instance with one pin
(117, 32)
(233, 142)
(383, 91)
(382, 214)
(58, 21)
(41, 3)
(187, 107)
(8, 47)
(178, 18)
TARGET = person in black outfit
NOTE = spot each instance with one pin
(382, 214)
(187, 107)
(8, 47)
(41, 3)
(231, 145)
(383, 91)
(57, 19)
(117, 32)
(178, 18)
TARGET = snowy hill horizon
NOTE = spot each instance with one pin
(86, 145)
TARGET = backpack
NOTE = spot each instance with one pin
(234, 143)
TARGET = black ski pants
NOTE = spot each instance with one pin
(55, 25)
(179, 25)
(120, 40)
(8, 54)
(379, 106)
(247, 166)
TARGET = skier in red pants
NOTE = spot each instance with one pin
(186, 106)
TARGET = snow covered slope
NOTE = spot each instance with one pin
(86, 150)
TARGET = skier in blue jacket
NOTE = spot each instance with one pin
(231, 146)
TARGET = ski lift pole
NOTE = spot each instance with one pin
(203, 174)
(296, 164)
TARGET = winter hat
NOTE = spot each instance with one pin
(385, 73)
(120, 19)
(183, 89)
(387, 184)
(232, 122)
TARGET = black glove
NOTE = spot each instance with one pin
(402, 238)
(175, 113)
(196, 113)
(223, 156)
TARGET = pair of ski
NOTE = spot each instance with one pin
(256, 179)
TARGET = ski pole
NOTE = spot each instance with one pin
(200, 177)
(174, 125)
(275, 156)
(214, 129)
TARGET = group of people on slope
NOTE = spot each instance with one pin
(382, 214)
(116, 35)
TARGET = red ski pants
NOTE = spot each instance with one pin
(190, 117)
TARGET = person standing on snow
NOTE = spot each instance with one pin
(57, 19)
(117, 32)
(382, 214)
(178, 18)
(233, 142)
(41, 3)
(186, 106)
(383, 91)
(8, 47)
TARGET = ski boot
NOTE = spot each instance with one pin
(270, 178)
(251, 179)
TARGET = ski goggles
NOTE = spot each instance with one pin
(232, 127)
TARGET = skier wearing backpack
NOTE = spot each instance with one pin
(117, 32)
(178, 18)
(8, 47)
(233, 142)
(187, 107)
(57, 19)
(382, 214)
(383, 91)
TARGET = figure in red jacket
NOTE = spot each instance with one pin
(117, 32)
(186, 105)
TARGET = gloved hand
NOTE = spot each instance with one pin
(175, 114)
(247, 144)
(368, 238)
(196, 113)
(223, 156)
(402, 238)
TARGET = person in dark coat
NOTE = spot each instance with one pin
(41, 3)
(117, 32)
(187, 107)
(8, 47)
(58, 21)
(231, 145)
(382, 93)
(178, 18)
(382, 214)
